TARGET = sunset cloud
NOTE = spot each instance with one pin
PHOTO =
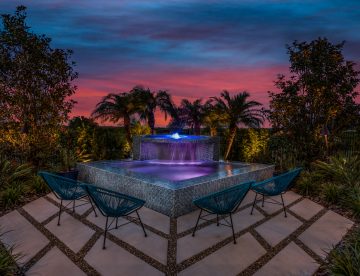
(194, 49)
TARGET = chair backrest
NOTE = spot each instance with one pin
(111, 203)
(227, 200)
(286, 180)
(277, 184)
(62, 187)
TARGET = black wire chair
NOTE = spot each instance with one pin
(277, 185)
(115, 205)
(66, 189)
(223, 203)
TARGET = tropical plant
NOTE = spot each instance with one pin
(351, 200)
(331, 192)
(79, 134)
(149, 101)
(341, 169)
(237, 110)
(193, 114)
(345, 259)
(38, 185)
(12, 195)
(137, 129)
(255, 145)
(69, 157)
(178, 119)
(211, 119)
(110, 143)
(308, 184)
(317, 102)
(11, 173)
(8, 259)
(115, 107)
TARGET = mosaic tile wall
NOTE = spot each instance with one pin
(171, 202)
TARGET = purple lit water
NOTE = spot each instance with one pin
(176, 171)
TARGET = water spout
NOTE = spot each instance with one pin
(175, 136)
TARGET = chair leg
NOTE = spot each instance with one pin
(197, 222)
(142, 225)
(60, 209)
(92, 206)
(217, 220)
(283, 204)
(252, 209)
(106, 228)
(73, 206)
(263, 200)
(116, 225)
(232, 228)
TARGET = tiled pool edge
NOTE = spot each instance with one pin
(170, 202)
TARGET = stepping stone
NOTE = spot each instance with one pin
(22, 235)
(55, 263)
(249, 199)
(41, 209)
(210, 235)
(155, 219)
(306, 208)
(187, 221)
(325, 233)
(278, 228)
(292, 260)
(153, 245)
(270, 208)
(71, 231)
(115, 260)
(79, 210)
(228, 260)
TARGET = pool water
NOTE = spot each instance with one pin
(170, 173)
(177, 172)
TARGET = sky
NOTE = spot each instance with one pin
(193, 49)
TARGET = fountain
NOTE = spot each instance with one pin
(176, 148)
(170, 171)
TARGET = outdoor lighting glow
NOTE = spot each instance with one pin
(175, 136)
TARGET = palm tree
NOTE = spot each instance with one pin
(237, 110)
(115, 107)
(212, 118)
(149, 101)
(178, 120)
(194, 114)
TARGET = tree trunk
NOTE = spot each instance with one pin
(230, 141)
(197, 129)
(127, 129)
(151, 122)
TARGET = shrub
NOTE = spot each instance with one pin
(331, 192)
(307, 184)
(351, 200)
(341, 169)
(12, 195)
(7, 260)
(10, 172)
(255, 145)
(38, 185)
(345, 260)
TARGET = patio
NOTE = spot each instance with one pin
(267, 242)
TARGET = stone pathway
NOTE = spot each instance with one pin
(267, 242)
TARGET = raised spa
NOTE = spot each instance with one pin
(169, 181)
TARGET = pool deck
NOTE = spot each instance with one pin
(267, 242)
